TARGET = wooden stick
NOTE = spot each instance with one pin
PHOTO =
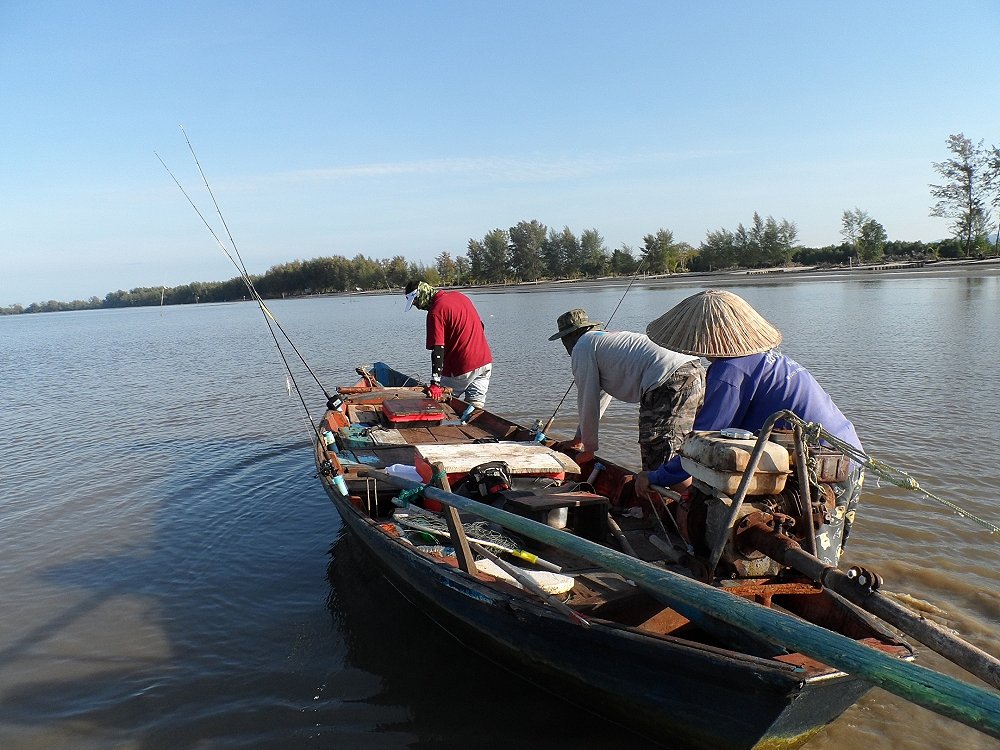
(458, 538)
(620, 536)
(529, 583)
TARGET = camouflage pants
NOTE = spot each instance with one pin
(666, 414)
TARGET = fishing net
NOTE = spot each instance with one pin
(547, 582)
(434, 525)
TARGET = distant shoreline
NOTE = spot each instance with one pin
(746, 277)
(705, 279)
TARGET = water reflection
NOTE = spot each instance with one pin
(433, 691)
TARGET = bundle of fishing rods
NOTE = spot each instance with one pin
(273, 326)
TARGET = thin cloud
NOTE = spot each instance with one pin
(509, 170)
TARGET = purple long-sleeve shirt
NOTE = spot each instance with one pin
(744, 391)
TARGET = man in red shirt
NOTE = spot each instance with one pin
(460, 357)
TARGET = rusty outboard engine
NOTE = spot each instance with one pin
(777, 496)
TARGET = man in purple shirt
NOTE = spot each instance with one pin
(748, 380)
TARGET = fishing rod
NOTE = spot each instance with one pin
(269, 318)
(573, 382)
(241, 267)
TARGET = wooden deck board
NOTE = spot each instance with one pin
(521, 458)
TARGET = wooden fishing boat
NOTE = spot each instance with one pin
(547, 562)
(736, 631)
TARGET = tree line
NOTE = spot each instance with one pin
(530, 251)
(970, 192)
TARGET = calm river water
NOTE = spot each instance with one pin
(173, 576)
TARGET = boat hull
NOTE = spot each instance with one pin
(673, 691)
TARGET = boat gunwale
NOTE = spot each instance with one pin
(488, 590)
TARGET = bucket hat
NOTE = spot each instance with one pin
(714, 323)
(571, 321)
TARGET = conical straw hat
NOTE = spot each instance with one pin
(714, 323)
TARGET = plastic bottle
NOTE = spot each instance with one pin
(328, 439)
(340, 484)
(598, 468)
(467, 413)
(539, 435)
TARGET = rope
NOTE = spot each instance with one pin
(813, 432)
(405, 497)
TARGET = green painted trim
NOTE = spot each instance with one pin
(944, 695)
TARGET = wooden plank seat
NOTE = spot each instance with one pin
(585, 513)
(522, 459)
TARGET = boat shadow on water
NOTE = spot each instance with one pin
(434, 692)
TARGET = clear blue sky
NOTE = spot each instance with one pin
(384, 128)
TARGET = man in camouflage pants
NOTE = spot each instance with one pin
(666, 413)
(669, 387)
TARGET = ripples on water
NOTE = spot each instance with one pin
(165, 568)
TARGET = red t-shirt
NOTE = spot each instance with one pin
(452, 322)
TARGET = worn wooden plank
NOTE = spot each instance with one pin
(458, 538)
(521, 458)
(459, 541)
(387, 436)
(665, 621)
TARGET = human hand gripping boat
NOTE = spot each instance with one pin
(704, 621)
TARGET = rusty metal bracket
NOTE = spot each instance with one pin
(866, 581)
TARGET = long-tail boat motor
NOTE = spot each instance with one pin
(717, 462)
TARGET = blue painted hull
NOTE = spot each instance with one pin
(680, 693)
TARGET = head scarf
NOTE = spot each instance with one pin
(424, 294)
(421, 296)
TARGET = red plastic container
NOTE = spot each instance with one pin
(403, 410)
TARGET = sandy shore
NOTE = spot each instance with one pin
(985, 267)
(721, 279)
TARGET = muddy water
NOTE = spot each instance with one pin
(173, 575)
